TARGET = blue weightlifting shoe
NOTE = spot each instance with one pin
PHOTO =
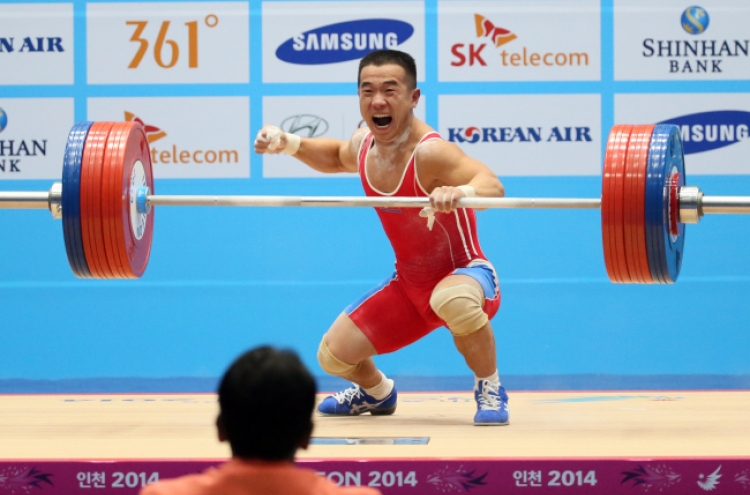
(492, 404)
(355, 401)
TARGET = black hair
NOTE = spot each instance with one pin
(385, 57)
(266, 399)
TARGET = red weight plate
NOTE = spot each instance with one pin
(606, 202)
(111, 198)
(618, 238)
(133, 231)
(91, 186)
(634, 212)
(631, 160)
(639, 199)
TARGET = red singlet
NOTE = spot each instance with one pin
(397, 312)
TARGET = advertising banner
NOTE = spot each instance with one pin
(715, 127)
(513, 40)
(33, 133)
(336, 117)
(36, 43)
(195, 42)
(189, 137)
(323, 41)
(673, 40)
(525, 135)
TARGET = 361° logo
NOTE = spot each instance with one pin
(173, 53)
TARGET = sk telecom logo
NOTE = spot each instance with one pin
(177, 156)
(486, 29)
(152, 133)
(471, 54)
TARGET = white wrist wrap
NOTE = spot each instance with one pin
(273, 134)
(292, 143)
(468, 191)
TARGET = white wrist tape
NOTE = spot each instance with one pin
(273, 134)
(468, 191)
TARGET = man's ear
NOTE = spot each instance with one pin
(221, 429)
(415, 97)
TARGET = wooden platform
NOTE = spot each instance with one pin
(550, 432)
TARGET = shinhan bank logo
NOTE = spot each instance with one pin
(3, 120)
(694, 20)
(486, 29)
(153, 133)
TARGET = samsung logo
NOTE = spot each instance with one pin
(344, 41)
(706, 131)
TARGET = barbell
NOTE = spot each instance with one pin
(106, 201)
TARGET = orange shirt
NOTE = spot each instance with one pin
(241, 477)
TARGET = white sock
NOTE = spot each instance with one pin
(382, 389)
(493, 378)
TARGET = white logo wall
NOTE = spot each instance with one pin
(36, 44)
(709, 119)
(515, 40)
(526, 135)
(340, 113)
(650, 43)
(137, 43)
(32, 145)
(298, 37)
(194, 137)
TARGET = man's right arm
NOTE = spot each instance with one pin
(322, 154)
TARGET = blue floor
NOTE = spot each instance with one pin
(403, 383)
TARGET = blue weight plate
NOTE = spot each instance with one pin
(71, 199)
(674, 241)
(654, 214)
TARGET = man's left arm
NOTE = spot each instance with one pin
(450, 175)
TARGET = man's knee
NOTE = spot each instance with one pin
(332, 365)
(460, 306)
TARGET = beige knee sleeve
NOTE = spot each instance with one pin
(332, 365)
(460, 306)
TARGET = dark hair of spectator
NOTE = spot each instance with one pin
(386, 57)
(266, 399)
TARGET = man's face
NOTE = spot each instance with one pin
(385, 100)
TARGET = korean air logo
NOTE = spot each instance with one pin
(3, 120)
(344, 41)
(31, 45)
(694, 20)
(469, 135)
(474, 134)
(305, 125)
(706, 131)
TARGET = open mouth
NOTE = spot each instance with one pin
(382, 120)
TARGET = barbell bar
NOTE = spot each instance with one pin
(106, 198)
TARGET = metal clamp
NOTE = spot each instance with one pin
(691, 204)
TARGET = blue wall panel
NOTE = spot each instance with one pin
(222, 280)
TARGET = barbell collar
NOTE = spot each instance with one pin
(54, 202)
(691, 204)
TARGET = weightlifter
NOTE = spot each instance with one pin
(442, 278)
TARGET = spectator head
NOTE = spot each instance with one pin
(266, 399)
